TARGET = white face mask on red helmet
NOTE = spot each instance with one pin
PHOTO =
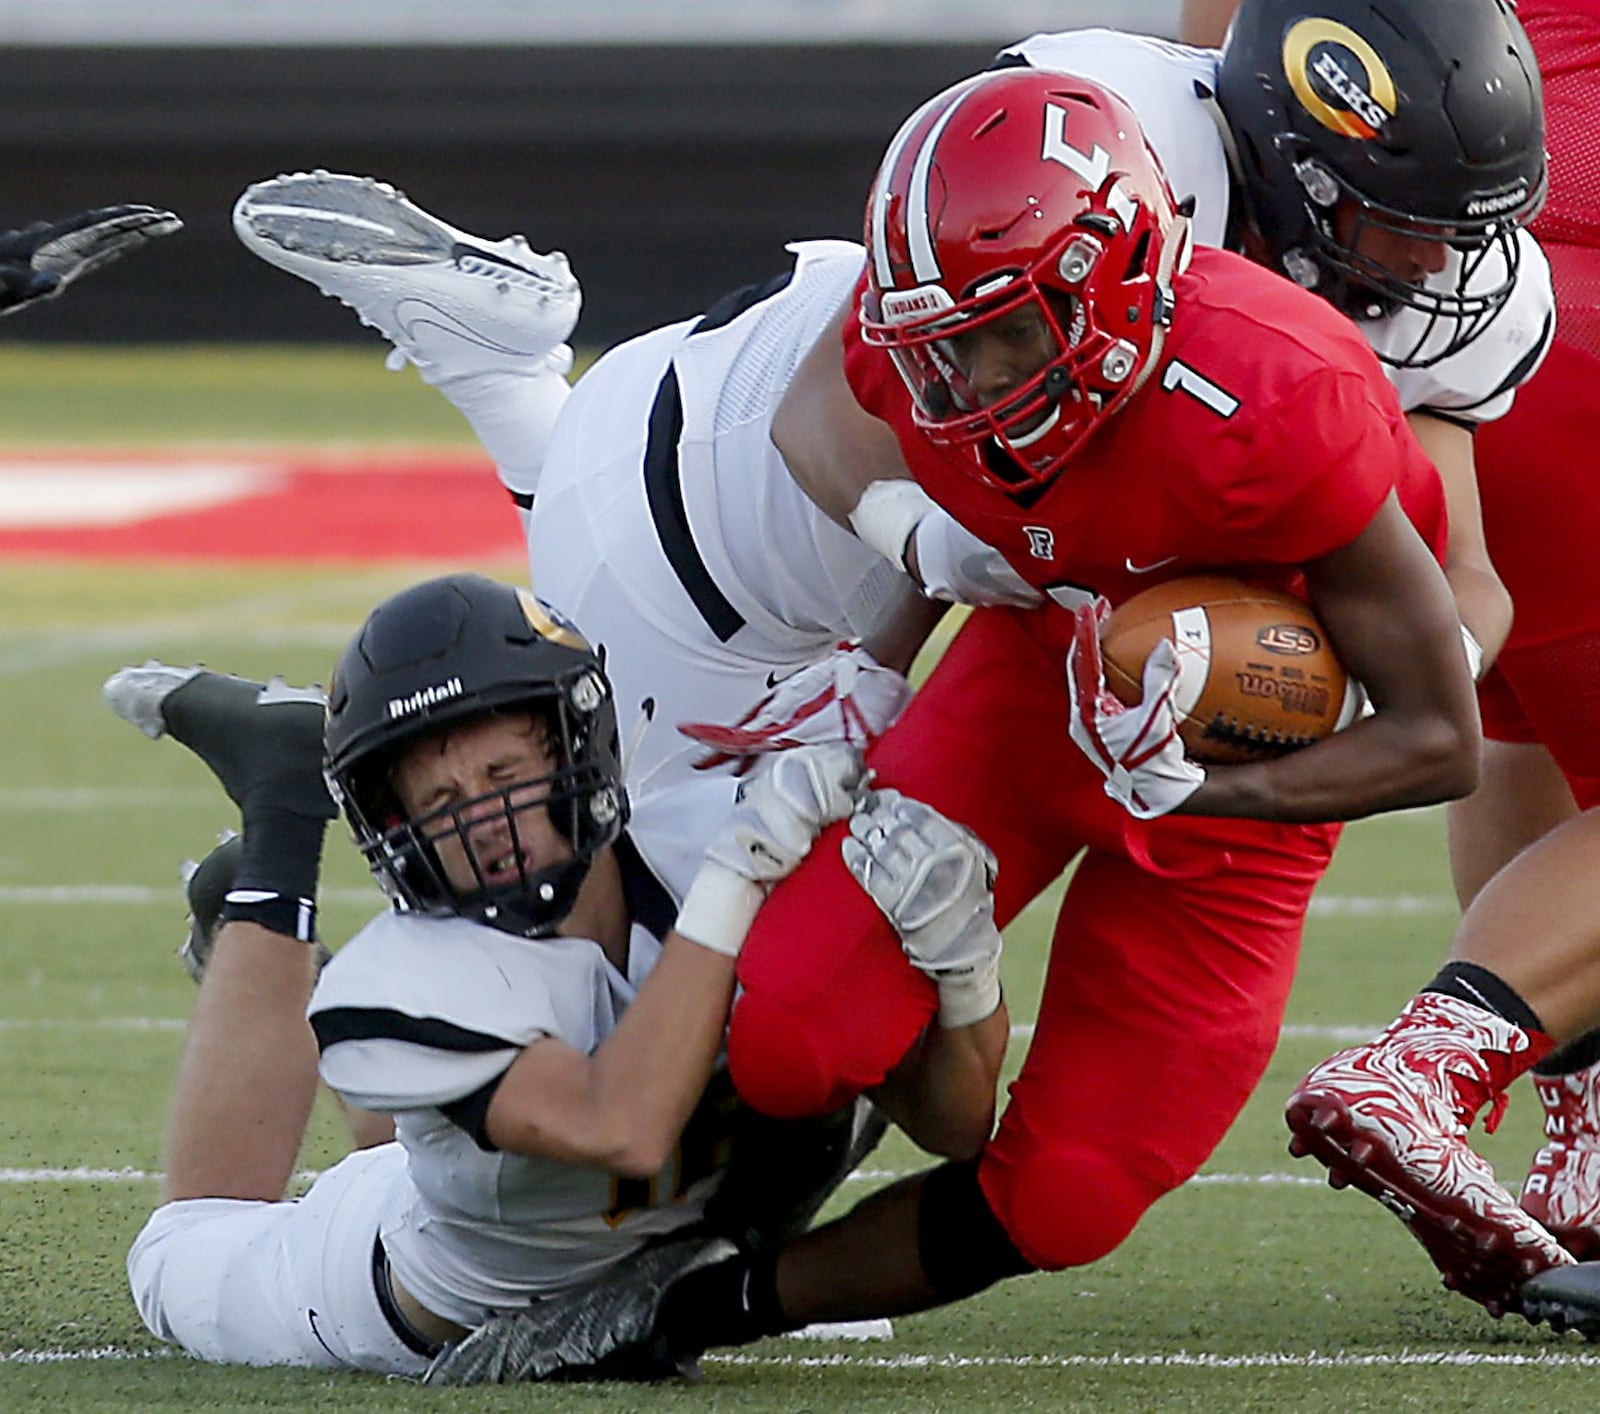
(1027, 207)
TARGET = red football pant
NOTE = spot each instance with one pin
(1169, 968)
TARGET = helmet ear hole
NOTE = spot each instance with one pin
(1138, 258)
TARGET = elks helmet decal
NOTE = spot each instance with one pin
(1339, 78)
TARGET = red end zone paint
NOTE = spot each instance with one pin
(253, 505)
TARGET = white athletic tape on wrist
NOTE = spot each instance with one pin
(970, 999)
(719, 909)
(887, 514)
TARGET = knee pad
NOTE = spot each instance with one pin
(960, 1242)
(1069, 1207)
(778, 1067)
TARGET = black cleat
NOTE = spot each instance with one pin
(1565, 1298)
(206, 886)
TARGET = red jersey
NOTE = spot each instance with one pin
(1266, 438)
(1566, 38)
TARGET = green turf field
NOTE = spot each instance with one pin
(1255, 1288)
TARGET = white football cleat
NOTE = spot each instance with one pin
(450, 302)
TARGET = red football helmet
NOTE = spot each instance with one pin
(1021, 241)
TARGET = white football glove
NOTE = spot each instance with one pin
(1137, 749)
(778, 814)
(846, 697)
(934, 881)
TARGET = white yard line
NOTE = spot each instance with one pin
(246, 619)
(97, 798)
(1340, 1035)
(94, 1175)
(132, 1175)
(137, 640)
(1390, 905)
(93, 1023)
(1182, 1359)
(1177, 1359)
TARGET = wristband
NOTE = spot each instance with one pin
(719, 909)
(886, 515)
(278, 913)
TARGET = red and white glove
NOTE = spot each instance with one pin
(848, 696)
(1137, 749)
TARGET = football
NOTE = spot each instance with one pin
(1256, 675)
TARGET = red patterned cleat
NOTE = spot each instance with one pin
(1391, 1118)
(1562, 1189)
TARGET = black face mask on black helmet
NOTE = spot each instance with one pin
(441, 656)
(1420, 118)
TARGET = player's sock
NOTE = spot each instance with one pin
(1468, 982)
(1574, 1056)
(512, 414)
(731, 1302)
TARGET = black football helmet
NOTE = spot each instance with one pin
(442, 654)
(1427, 116)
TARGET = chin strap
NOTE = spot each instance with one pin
(1241, 216)
(1175, 253)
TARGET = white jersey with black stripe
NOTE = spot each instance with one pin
(1169, 87)
(668, 527)
(738, 494)
(418, 1013)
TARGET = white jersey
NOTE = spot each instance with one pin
(417, 1016)
(1170, 87)
(668, 528)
